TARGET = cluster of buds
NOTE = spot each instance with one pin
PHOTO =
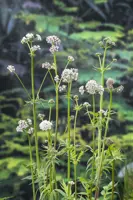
(55, 43)
(62, 88)
(107, 42)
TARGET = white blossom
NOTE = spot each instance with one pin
(22, 125)
(53, 40)
(45, 125)
(29, 37)
(81, 90)
(31, 130)
(38, 37)
(71, 183)
(62, 88)
(53, 49)
(11, 68)
(120, 89)
(70, 58)
(92, 87)
(69, 75)
(56, 78)
(29, 121)
(35, 48)
(86, 104)
(46, 65)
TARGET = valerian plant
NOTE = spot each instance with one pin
(102, 153)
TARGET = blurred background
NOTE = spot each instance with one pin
(80, 24)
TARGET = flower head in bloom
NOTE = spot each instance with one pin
(69, 75)
(81, 90)
(29, 121)
(62, 88)
(11, 68)
(31, 130)
(53, 40)
(45, 125)
(71, 183)
(92, 87)
(38, 37)
(53, 49)
(104, 112)
(56, 78)
(35, 48)
(86, 104)
(70, 58)
(30, 37)
(22, 125)
(110, 83)
(46, 65)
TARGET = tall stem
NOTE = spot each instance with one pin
(57, 102)
(102, 66)
(75, 164)
(34, 110)
(69, 136)
(31, 166)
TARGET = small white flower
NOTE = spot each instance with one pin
(53, 49)
(71, 183)
(22, 125)
(35, 48)
(81, 90)
(53, 40)
(29, 37)
(62, 88)
(104, 112)
(45, 125)
(29, 121)
(70, 58)
(19, 129)
(11, 68)
(69, 75)
(46, 65)
(31, 130)
(120, 89)
(56, 78)
(38, 37)
(100, 89)
(86, 104)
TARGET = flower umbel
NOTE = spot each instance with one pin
(11, 68)
(45, 125)
(69, 75)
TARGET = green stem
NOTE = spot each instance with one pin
(102, 66)
(42, 84)
(23, 86)
(57, 102)
(113, 175)
(34, 111)
(93, 135)
(75, 164)
(69, 136)
(31, 165)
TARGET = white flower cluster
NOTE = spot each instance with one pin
(53, 49)
(86, 104)
(53, 40)
(45, 125)
(35, 48)
(46, 65)
(92, 87)
(81, 90)
(55, 43)
(62, 88)
(41, 116)
(56, 78)
(30, 37)
(70, 58)
(23, 125)
(11, 68)
(69, 75)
